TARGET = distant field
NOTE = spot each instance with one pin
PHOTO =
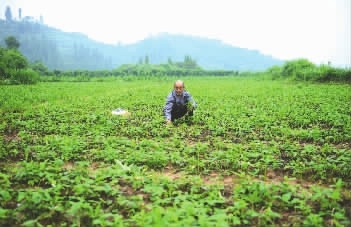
(256, 153)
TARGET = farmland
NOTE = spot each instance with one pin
(256, 153)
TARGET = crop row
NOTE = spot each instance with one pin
(56, 194)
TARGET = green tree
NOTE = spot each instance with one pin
(14, 68)
(12, 43)
(297, 68)
(39, 67)
(3, 55)
(8, 13)
(189, 63)
(275, 71)
(15, 60)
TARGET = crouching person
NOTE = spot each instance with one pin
(179, 103)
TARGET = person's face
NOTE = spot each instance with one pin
(179, 88)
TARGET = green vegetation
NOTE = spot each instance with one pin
(304, 70)
(16, 69)
(265, 148)
(256, 153)
(14, 66)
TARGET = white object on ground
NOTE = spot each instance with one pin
(119, 111)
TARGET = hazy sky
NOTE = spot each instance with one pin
(315, 29)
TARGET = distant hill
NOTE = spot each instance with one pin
(69, 51)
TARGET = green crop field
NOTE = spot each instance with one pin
(256, 153)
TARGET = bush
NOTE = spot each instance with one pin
(304, 70)
(326, 73)
(275, 72)
(23, 76)
(298, 68)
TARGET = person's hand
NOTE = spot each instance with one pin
(190, 107)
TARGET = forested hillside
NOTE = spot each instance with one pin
(56, 49)
(70, 51)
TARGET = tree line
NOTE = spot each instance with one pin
(16, 69)
(304, 70)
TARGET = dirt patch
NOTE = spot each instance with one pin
(230, 181)
(203, 137)
(171, 173)
(127, 190)
(93, 166)
(216, 178)
(11, 136)
(343, 146)
(68, 166)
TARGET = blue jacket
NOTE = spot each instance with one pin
(172, 101)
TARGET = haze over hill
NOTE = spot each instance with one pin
(289, 29)
(68, 51)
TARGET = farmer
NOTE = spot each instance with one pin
(179, 102)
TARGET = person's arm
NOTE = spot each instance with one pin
(168, 108)
(191, 100)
